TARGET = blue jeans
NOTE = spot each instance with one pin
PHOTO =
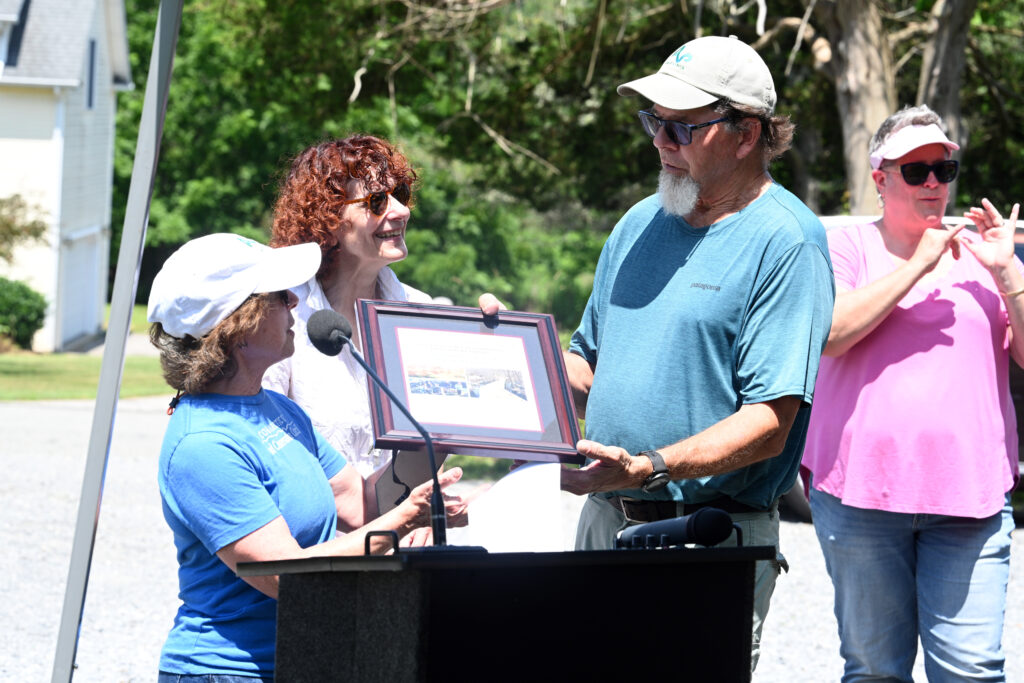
(900, 576)
(165, 677)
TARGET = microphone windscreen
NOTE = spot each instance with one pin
(675, 530)
(709, 526)
(706, 526)
(329, 331)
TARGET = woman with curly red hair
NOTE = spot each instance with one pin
(353, 198)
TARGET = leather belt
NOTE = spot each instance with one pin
(637, 510)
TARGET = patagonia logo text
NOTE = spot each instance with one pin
(704, 285)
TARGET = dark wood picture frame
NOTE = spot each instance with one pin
(543, 386)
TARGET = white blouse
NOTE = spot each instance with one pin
(332, 390)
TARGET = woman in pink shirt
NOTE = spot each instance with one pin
(913, 439)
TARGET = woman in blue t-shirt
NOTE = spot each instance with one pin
(243, 475)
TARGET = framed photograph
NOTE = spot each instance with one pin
(493, 386)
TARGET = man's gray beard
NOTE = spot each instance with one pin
(678, 193)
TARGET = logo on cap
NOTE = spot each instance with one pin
(680, 57)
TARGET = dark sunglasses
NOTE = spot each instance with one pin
(916, 173)
(378, 201)
(280, 295)
(678, 132)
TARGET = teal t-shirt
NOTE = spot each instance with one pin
(228, 466)
(685, 325)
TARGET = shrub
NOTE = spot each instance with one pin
(18, 226)
(22, 311)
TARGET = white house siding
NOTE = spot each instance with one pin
(86, 191)
(64, 165)
(29, 166)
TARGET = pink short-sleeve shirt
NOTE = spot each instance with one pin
(917, 416)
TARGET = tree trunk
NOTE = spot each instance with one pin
(862, 69)
(943, 65)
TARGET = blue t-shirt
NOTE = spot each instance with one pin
(686, 325)
(228, 466)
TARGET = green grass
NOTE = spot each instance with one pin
(36, 376)
(31, 376)
(138, 325)
(475, 467)
(488, 469)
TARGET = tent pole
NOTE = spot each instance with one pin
(126, 279)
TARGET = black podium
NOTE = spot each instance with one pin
(454, 615)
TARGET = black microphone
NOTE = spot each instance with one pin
(707, 527)
(330, 331)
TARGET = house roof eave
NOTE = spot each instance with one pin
(41, 82)
(117, 34)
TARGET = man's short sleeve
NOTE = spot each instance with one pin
(215, 490)
(584, 339)
(786, 326)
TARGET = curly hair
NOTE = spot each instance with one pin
(190, 364)
(776, 131)
(309, 205)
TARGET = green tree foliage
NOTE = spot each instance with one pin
(22, 309)
(18, 225)
(992, 105)
(508, 110)
(22, 312)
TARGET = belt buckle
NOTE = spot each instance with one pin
(623, 501)
(617, 503)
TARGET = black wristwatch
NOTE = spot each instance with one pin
(659, 478)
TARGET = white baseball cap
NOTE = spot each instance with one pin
(705, 70)
(909, 138)
(206, 279)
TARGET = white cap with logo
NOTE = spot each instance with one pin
(206, 279)
(705, 70)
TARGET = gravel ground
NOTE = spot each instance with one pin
(132, 589)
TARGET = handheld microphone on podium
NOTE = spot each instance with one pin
(706, 526)
(330, 331)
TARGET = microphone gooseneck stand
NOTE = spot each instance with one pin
(330, 332)
(437, 519)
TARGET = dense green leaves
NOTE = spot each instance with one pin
(22, 312)
(508, 109)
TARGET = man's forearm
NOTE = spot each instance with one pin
(756, 432)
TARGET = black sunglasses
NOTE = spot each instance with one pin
(280, 295)
(678, 132)
(916, 173)
(378, 201)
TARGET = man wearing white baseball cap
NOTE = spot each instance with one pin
(696, 357)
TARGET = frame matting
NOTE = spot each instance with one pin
(493, 386)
